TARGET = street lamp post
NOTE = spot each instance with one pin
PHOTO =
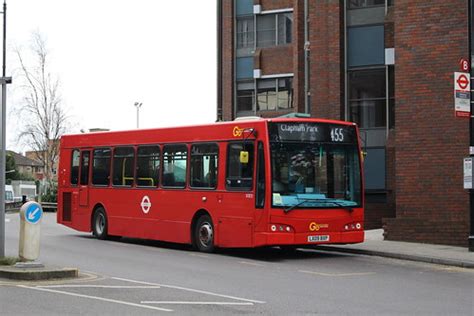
(3, 81)
(138, 105)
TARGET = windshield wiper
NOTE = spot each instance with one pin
(287, 210)
(350, 209)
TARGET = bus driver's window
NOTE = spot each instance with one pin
(240, 174)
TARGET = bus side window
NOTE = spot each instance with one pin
(175, 159)
(148, 166)
(75, 167)
(123, 166)
(239, 175)
(204, 161)
(101, 166)
(85, 158)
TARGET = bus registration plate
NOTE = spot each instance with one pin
(318, 238)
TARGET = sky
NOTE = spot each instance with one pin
(110, 54)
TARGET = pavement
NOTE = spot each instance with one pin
(27, 272)
(375, 245)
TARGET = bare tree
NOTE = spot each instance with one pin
(41, 105)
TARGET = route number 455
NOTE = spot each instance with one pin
(337, 135)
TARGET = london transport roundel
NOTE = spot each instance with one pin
(145, 204)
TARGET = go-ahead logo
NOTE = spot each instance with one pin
(313, 226)
(237, 131)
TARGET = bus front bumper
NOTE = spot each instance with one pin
(276, 239)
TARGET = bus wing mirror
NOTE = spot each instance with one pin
(244, 157)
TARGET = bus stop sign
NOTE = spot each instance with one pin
(462, 94)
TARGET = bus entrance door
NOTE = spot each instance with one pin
(84, 178)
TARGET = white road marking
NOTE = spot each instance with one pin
(97, 286)
(7, 220)
(199, 255)
(192, 290)
(97, 298)
(252, 263)
(337, 274)
(195, 303)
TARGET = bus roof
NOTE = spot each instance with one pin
(192, 133)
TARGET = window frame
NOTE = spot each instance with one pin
(110, 166)
(379, 101)
(252, 185)
(133, 166)
(261, 174)
(276, 36)
(87, 182)
(210, 188)
(349, 7)
(162, 185)
(156, 185)
(243, 36)
(72, 166)
(276, 91)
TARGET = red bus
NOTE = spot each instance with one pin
(265, 182)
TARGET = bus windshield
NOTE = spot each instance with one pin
(313, 173)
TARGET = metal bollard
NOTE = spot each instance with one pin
(31, 214)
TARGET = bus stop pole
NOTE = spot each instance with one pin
(471, 125)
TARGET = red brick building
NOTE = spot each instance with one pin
(387, 65)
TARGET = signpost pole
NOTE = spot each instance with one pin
(4, 82)
(471, 126)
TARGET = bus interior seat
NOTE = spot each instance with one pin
(168, 179)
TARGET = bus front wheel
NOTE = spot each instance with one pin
(204, 234)
(99, 224)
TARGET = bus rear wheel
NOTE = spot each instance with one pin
(99, 224)
(204, 234)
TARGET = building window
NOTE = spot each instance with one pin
(285, 22)
(367, 103)
(357, 4)
(366, 45)
(243, 7)
(245, 96)
(244, 68)
(274, 29)
(374, 169)
(245, 32)
(274, 94)
(391, 95)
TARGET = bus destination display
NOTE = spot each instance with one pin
(313, 132)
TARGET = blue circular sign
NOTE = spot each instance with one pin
(33, 213)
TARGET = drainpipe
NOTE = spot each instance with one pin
(306, 60)
(219, 114)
